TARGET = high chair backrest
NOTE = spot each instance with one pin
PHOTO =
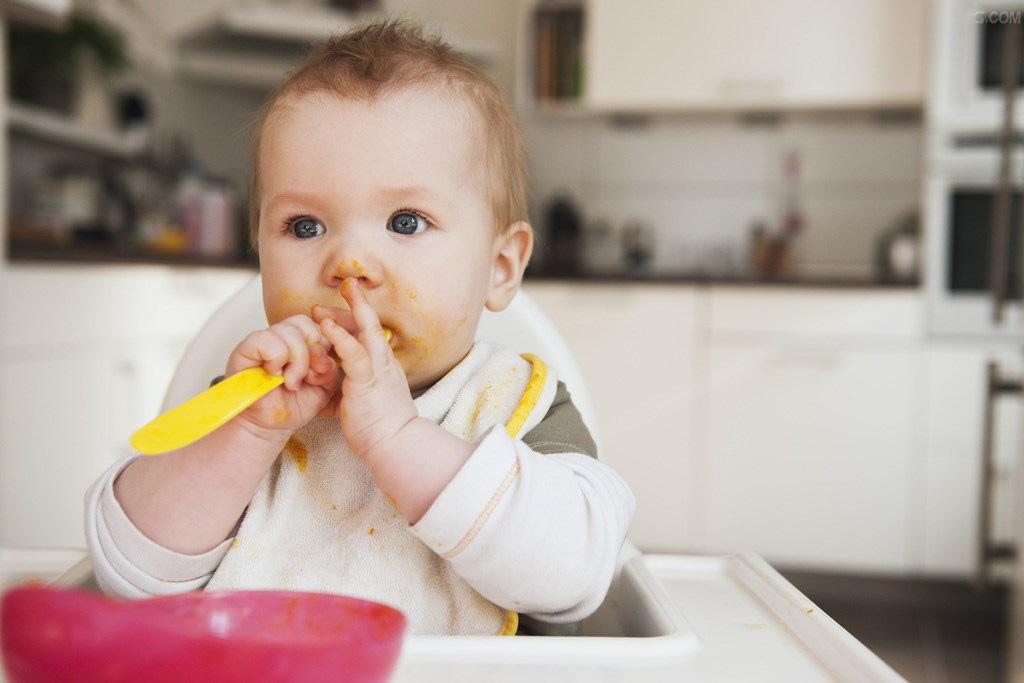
(522, 326)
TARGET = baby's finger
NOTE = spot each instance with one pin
(310, 329)
(260, 348)
(371, 334)
(323, 372)
(355, 361)
(318, 344)
(298, 354)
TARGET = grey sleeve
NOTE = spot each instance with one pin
(562, 429)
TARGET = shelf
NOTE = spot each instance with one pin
(316, 23)
(256, 44)
(45, 13)
(282, 22)
(120, 255)
(234, 69)
(55, 128)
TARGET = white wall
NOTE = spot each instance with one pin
(701, 181)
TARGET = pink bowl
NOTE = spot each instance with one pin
(55, 635)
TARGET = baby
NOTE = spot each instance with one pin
(400, 461)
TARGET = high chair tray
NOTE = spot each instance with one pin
(666, 618)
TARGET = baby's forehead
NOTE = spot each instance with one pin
(428, 137)
(436, 119)
(431, 105)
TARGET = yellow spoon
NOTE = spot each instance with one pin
(201, 414)
(205, 412)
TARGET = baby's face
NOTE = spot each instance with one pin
(391, 192)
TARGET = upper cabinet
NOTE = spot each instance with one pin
(664, 55)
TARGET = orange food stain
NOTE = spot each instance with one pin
(234, 544)
(411, 293)
(358, 268)
(281, 415)
(290, 297)
(372, 531)
(481, 403)
(299, 453)
(420, 344)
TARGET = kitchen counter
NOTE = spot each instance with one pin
(698, 278)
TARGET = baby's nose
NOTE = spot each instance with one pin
(343, 268)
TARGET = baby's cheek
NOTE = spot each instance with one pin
(282, 304)
(286, 303)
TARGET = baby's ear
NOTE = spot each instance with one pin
(511, 253)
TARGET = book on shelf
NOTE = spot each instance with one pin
(558, 53)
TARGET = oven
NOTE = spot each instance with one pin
(965, 97)
(960, 209)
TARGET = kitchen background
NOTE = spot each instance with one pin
(764, 189)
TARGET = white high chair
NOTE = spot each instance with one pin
(743, 620)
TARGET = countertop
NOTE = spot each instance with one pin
(711, 279)
(104, 256)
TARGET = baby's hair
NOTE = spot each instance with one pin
(383, 57)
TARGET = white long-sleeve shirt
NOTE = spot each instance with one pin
(533, 531)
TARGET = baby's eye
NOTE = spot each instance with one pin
(407, 223)
(306, 227)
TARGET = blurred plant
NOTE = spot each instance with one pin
(43, 65)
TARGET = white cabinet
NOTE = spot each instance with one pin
(635, 347)
(810, 455)
(65, 417)
(811, 448)
(87, 355)
(697, 54)
(784, 421)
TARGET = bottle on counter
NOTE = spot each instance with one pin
(205, 208)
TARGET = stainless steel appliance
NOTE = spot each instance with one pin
(967, 62)
(961, 203)
(973, 210)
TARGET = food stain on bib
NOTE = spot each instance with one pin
(297, 450)
(481, 403)
(371, 532)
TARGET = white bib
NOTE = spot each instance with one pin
(318, 522)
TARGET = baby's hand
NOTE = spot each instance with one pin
(296, 347)
(375, 401)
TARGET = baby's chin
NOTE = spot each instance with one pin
(423, 373)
